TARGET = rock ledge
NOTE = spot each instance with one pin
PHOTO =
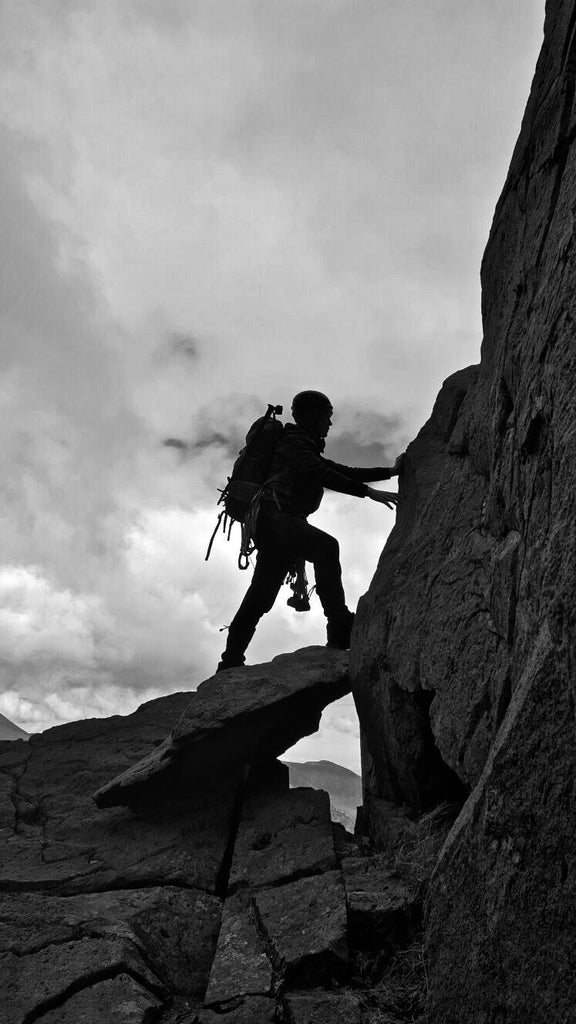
(238, 717)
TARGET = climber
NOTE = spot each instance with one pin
(283, 534)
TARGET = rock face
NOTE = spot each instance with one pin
(463, 651)
(235, 718)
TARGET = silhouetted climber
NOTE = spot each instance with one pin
(283, 535)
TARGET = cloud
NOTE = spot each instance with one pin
(37, 620)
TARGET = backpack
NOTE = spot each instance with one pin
(250, 474)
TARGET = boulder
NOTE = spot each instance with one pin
(241, 966)
(236, 717)
(305, 926)
(283, 838)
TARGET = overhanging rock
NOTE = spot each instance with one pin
(237, 717)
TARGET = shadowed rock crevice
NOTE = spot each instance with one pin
(223, 877)
(402, 762)
(84, 985)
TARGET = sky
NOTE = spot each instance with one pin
(209, 205)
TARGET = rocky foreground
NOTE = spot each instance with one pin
(224, 895)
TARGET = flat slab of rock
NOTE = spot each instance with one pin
(236, 717)
(286, 837)
(305, 926)
(241, 967)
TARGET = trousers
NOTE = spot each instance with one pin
(281, 539)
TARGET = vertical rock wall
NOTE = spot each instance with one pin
(463, 655)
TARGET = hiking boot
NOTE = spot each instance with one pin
(338, 631)
(230, 661)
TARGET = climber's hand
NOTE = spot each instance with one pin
(388, 498)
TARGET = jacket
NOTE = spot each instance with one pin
(300, 473)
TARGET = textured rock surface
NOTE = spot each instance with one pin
(117, 999)
(173, 928)
(58, 840)
(241, 966)
(463, 651)
(306, 928)
(283, 838)
(277, 931)
(104, 909)
(238, 717)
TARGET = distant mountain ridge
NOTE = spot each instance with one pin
(9, 731)
(343, 786)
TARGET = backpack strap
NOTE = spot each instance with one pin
(216, 528)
